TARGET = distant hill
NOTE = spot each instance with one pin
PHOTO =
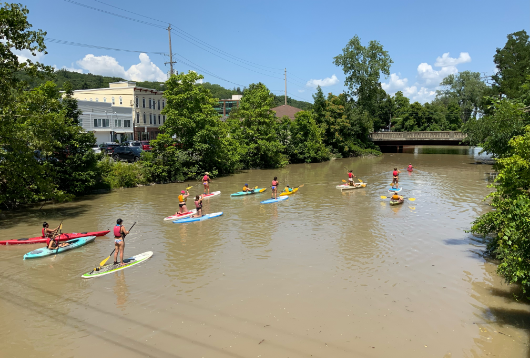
(89, 81)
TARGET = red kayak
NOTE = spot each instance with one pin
(62, 237)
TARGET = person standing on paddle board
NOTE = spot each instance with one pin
(182, 201)
(350, 178)
(206, 182)
(395, 179)
(274, 188)
(410, 168)
(119, 240)
(198, 206)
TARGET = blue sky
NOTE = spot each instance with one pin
(249, 41)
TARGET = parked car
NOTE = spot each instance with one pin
(146, 145)
(109, 147)
(96, 149)
(132, 143)
(130, 154)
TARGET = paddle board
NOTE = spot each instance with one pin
(72, 244)
(254, 191)
(207, 196)
(202, 218)
(181, 216)
(349, 187)
(270, 201)
(131, 261)
(395, 190)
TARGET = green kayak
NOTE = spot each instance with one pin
(250, 192)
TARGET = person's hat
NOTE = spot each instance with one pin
(207, 173)
(246, 184)
(183, 192)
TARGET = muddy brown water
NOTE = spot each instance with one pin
(323, 274)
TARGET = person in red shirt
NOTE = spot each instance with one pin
(395, 178)
(206, 182)
(274, 188)
(350, 178)
(119, 240)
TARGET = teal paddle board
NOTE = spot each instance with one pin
(131, 261)
(394, 189)
(270, 201)
(72, 244)
(202, 218)
(250, 192)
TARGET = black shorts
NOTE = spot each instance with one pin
(181, 205)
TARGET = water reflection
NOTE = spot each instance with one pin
(121, 290)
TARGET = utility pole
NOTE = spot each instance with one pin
(170, 53)
(285, 86)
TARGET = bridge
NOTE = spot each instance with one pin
(400, 139)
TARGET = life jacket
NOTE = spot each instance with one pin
(117, 231)
(350, 175)
(246, 188)
(182, 199)
(205, 178)
(395, 197)
(410, 167)
(274, 183)
(43, 234)
(395, 173)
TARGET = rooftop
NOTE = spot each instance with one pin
(286, 110)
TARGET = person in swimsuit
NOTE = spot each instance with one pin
(119, 241)
(396, 197)
(274, 187)
(395, 179)
(246, 188)
(206, 182)
(410, 168)
(350, 178)
(182, 201)
(49, 234)
(198, 206)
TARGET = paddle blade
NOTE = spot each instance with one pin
(104, 261)
(301, 186)
(412, 199)
(188, 188)
(383, 197)
(344, 181)
(360, 181)
(256, 187)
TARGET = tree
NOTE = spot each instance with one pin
(306, 145)
(201, 135)
(513, 65)
(319, 106)
(507, 226)
(467, 89)
(363, 67)
(254, 126)
(493, 131)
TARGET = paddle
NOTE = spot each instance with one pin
(104, 261)
(410, 199)
(60, 231)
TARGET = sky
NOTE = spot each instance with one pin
(236, 43)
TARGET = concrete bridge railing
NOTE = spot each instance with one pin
(451, 136)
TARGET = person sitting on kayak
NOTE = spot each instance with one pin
(395, 179)
(246, 188)
(410, 168)
(198, 206)
(119, 241)
(396, 197)
(206, 182)
(46, 231)
(182, 201)
(287, 189)
(52, 243)
(274, 186)
(350, 178)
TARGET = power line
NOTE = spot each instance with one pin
(70, 43)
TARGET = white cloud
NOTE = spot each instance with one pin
(445, 60)
(328, 81)
(301, 91)
(427, 79)
(24, 55)
(146, 70)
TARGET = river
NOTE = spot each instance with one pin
(323, 274)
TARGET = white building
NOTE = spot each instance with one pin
(108, 123)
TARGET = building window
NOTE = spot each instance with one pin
(105, 99)
(96, 122)
(144, 119)
(90, 99)
(137, 104)
(163, 119)
(159, 105)
(143, 102)
(159, 119)
(121, 100)
(113, 101)
(127, 123)
(137, 117)
(150, 118)
(105, 122)
(153, 103)
(163, 104)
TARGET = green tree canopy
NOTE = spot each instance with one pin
(363, 67)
